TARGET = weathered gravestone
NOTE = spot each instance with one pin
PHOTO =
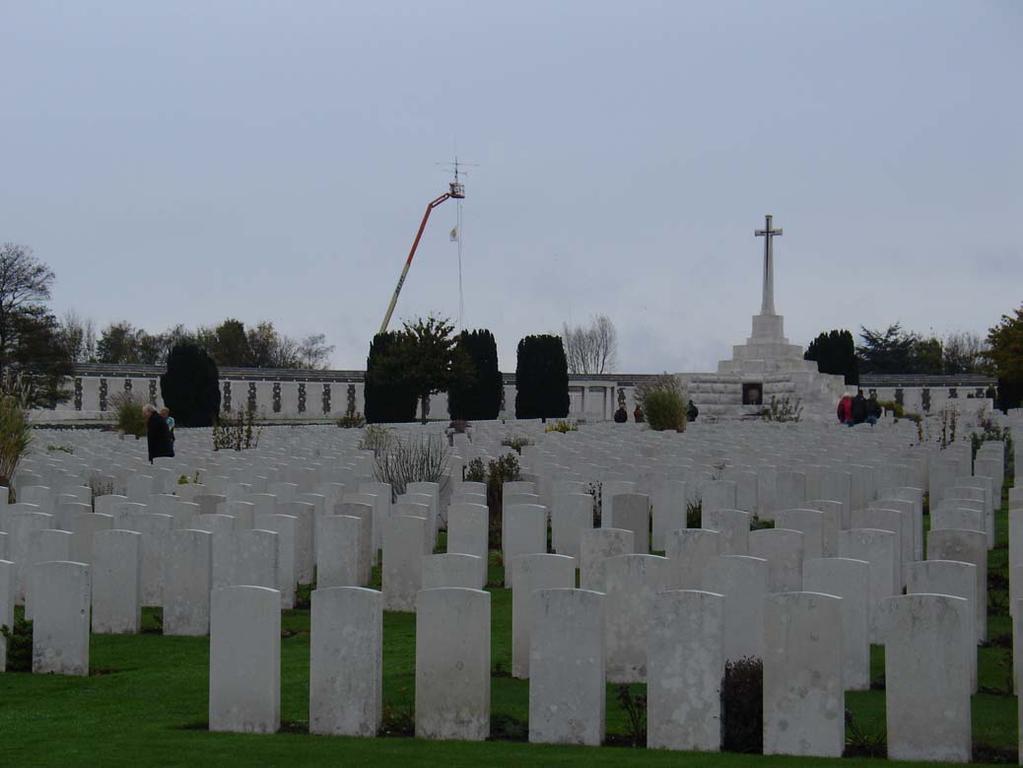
(451, 570)
(566, 668)
(927, 678)
(689, 550)
(117, 582)
(453, 664)
(967, 547)
(346, 661)
(848, 579)
(60, 631)
(743, 582)
(245, 660)
(685, 665)
(187, 581)
(804, 701)
(597, 545)
(631, 582)
(338, 558)
(532, 573)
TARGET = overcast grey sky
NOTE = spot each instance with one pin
(188, 161)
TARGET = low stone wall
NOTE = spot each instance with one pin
(294, 395)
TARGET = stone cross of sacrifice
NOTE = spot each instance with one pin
(767, 305)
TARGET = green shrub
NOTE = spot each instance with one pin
(665, 409)
(495, 474)
(477, 397)
(128, 413)
(15, 435)
(897, 409)
(561, 426)
(518, 443)
(541, 378)
(742, 706)
(694, 514)
(19, 645)
(191, 386)
(351, 421)
(783, 410)
(635, 707)
(236, 432)
(387, 400)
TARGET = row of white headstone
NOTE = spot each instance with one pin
(927, 672)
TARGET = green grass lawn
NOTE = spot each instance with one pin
(146, 703)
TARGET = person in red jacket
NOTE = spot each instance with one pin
(845, 407)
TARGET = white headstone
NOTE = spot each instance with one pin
(743, 582)
(595, 546)
(967, 547)
(245, 659)
(532, 573)
(346, 661)
(850, 580)
(804, 700)
(685, 665)
(567, 696)
(927, 678)
(402, 575)
(689, 550)
(187, 581)
(60, 629)
(117, 582)
(453, 664)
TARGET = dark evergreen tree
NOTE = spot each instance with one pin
(541, 378)
(388, 398)
(480, 397)
(191, 386)
(835, 352)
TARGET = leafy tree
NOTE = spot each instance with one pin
(427, 359)
(926, 356)
(122, 343)
(228, 344)
(25, 284)
(479, 397)
(964, 352)
(270, 349)
(78, 337)
(835, 353)
(33, 357)
(314, 352)
(541, 378)
(888, 350)
(591, 349)
(1005, 342)
(388, 399)
(191, 386)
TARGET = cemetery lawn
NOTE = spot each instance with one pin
(145, 703)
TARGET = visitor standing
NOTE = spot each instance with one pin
(157, 434)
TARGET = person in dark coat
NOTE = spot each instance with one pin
(158, 434)
(859, 408)
(874, 410)
(692, 411)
